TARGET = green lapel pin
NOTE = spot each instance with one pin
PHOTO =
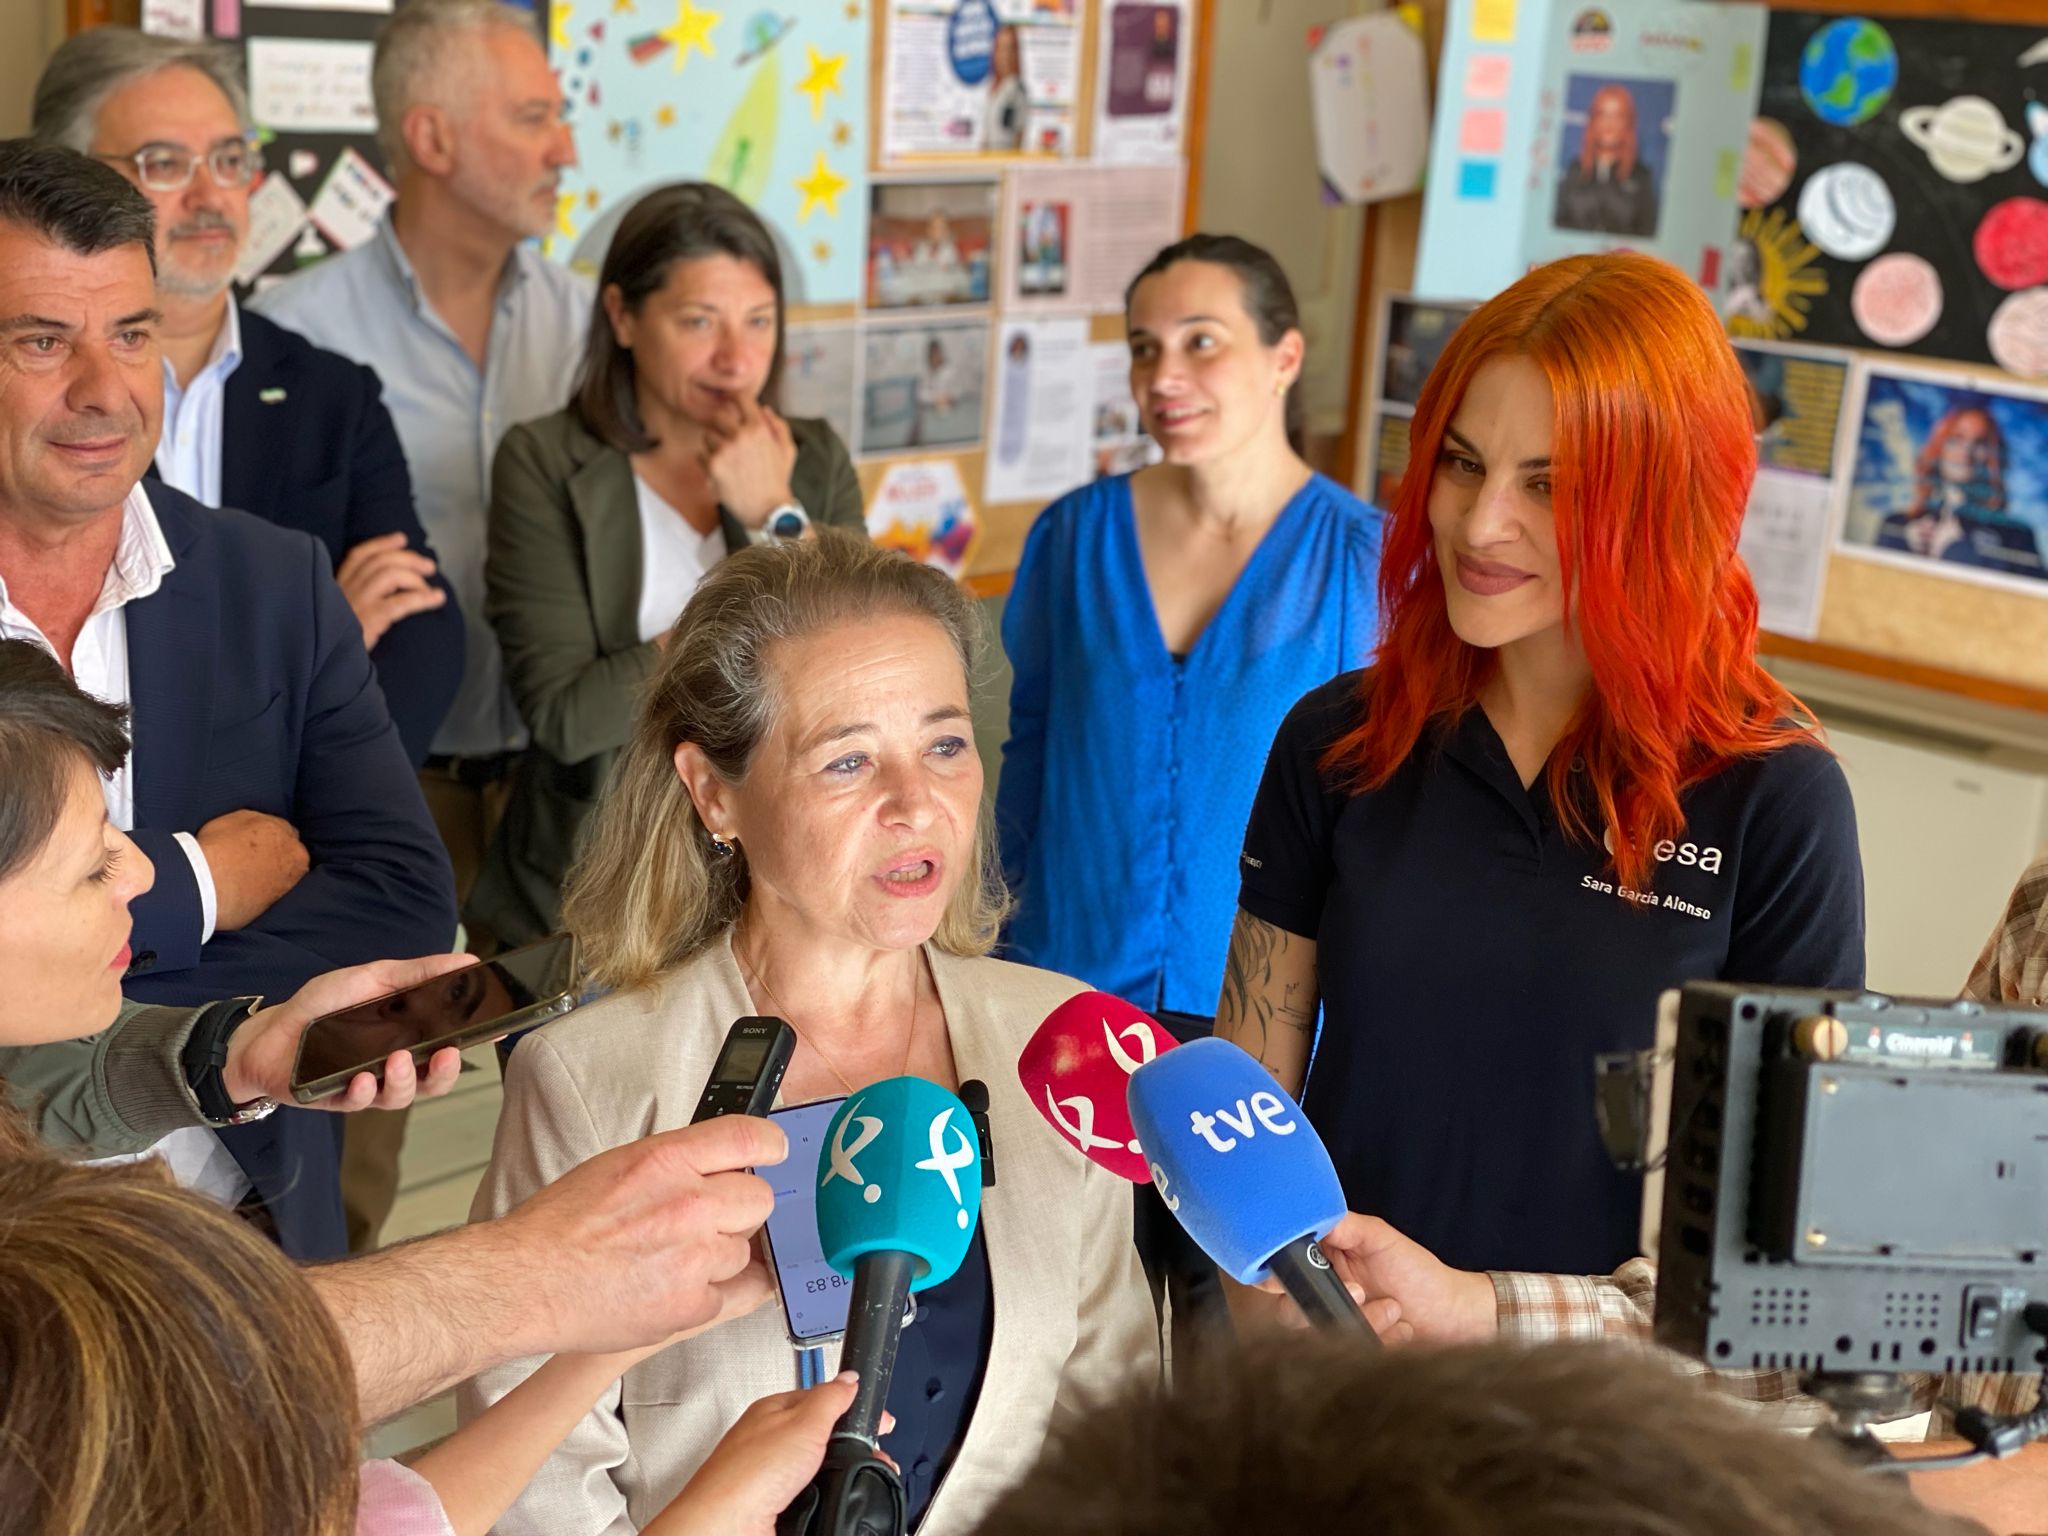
(270, 396)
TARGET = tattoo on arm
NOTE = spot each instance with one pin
(1260, 989)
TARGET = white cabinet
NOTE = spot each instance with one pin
(1944, 837)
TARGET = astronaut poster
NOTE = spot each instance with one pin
(1949, 476)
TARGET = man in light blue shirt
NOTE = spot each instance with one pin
(470, 328)
(472, 332)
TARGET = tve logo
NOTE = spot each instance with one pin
(1261, 1109)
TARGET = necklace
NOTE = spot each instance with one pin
(909, 1040)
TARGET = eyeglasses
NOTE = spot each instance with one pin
(166, 168)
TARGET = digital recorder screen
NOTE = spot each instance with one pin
(814, 1295)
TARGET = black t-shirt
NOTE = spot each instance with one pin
(1473, 961)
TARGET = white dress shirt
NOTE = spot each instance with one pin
(673, 559)
(189, 452)
(99, 665)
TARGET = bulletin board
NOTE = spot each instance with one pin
(1973, 641)
(806, 88)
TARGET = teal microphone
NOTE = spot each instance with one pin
(899, 1193)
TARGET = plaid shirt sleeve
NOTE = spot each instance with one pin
(2014, 965)
(1618, 1309)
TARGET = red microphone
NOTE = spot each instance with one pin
(1076, 1071)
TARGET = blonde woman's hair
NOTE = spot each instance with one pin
(162, 1368)
(647, 891)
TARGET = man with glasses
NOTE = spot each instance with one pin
(255, 416)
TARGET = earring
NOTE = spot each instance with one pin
(722, 845)
(1279, 388)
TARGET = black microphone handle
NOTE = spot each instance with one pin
(874, 1327)
(1309, 1279)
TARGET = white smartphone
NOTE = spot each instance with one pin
(814, 1294)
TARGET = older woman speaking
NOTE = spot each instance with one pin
(795, 829)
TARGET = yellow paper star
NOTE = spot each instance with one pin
(590, 198)
(824, 76)
(558, 25)
(665, 116)
(852, 10)
(842, 135)
(619, 6)
(565, 203)
(692, 29)
(821, 252)
(822, 187)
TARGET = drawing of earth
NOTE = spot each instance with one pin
(1848, 71)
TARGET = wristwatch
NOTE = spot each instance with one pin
(786, 523)
(205, 1060)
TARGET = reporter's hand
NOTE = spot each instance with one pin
(766, 1459)
(255, 859)
(384, 581)
(1437, 1304)
(645, 1240)
(749, 455)
(261, 1051)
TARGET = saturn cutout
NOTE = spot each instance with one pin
(1847, 210)
(1966, 138)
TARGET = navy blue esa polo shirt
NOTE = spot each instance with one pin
(1472, 962)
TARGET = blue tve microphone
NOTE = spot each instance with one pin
(1237, 1163)
(899, 1193)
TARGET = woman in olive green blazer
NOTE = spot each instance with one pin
(669, 456)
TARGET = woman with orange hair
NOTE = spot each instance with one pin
(1564, 785)
(1606, 187)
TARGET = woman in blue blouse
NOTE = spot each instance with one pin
(1160, 626)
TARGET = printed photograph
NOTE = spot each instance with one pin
(1612, 154)
(922, 387)
(1416, 335)
(1952, 477)
(930, 243)
(1042, 228)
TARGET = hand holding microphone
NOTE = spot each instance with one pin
(1238, 1165)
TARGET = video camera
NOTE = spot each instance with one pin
(1855, 1188)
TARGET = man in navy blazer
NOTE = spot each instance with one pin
(255, 416)
(267, 780)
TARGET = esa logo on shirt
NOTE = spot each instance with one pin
(1702, 856)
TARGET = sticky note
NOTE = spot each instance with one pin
(1493, 21)
(1476, 179)
(1726, 167)
(1482, 130)
(1741, 67)
(1486, 77)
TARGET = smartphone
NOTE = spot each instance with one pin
(814, 1294)
(514, 991)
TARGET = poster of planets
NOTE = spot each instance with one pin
(770, 103)
(1894, 191)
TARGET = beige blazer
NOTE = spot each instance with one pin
(1073, 1315)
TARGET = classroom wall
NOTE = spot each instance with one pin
(33, 29)
(1259, 180)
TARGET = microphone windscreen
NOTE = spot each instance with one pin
(1233, 1156)
(900, 1171)
(1076, 1071)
